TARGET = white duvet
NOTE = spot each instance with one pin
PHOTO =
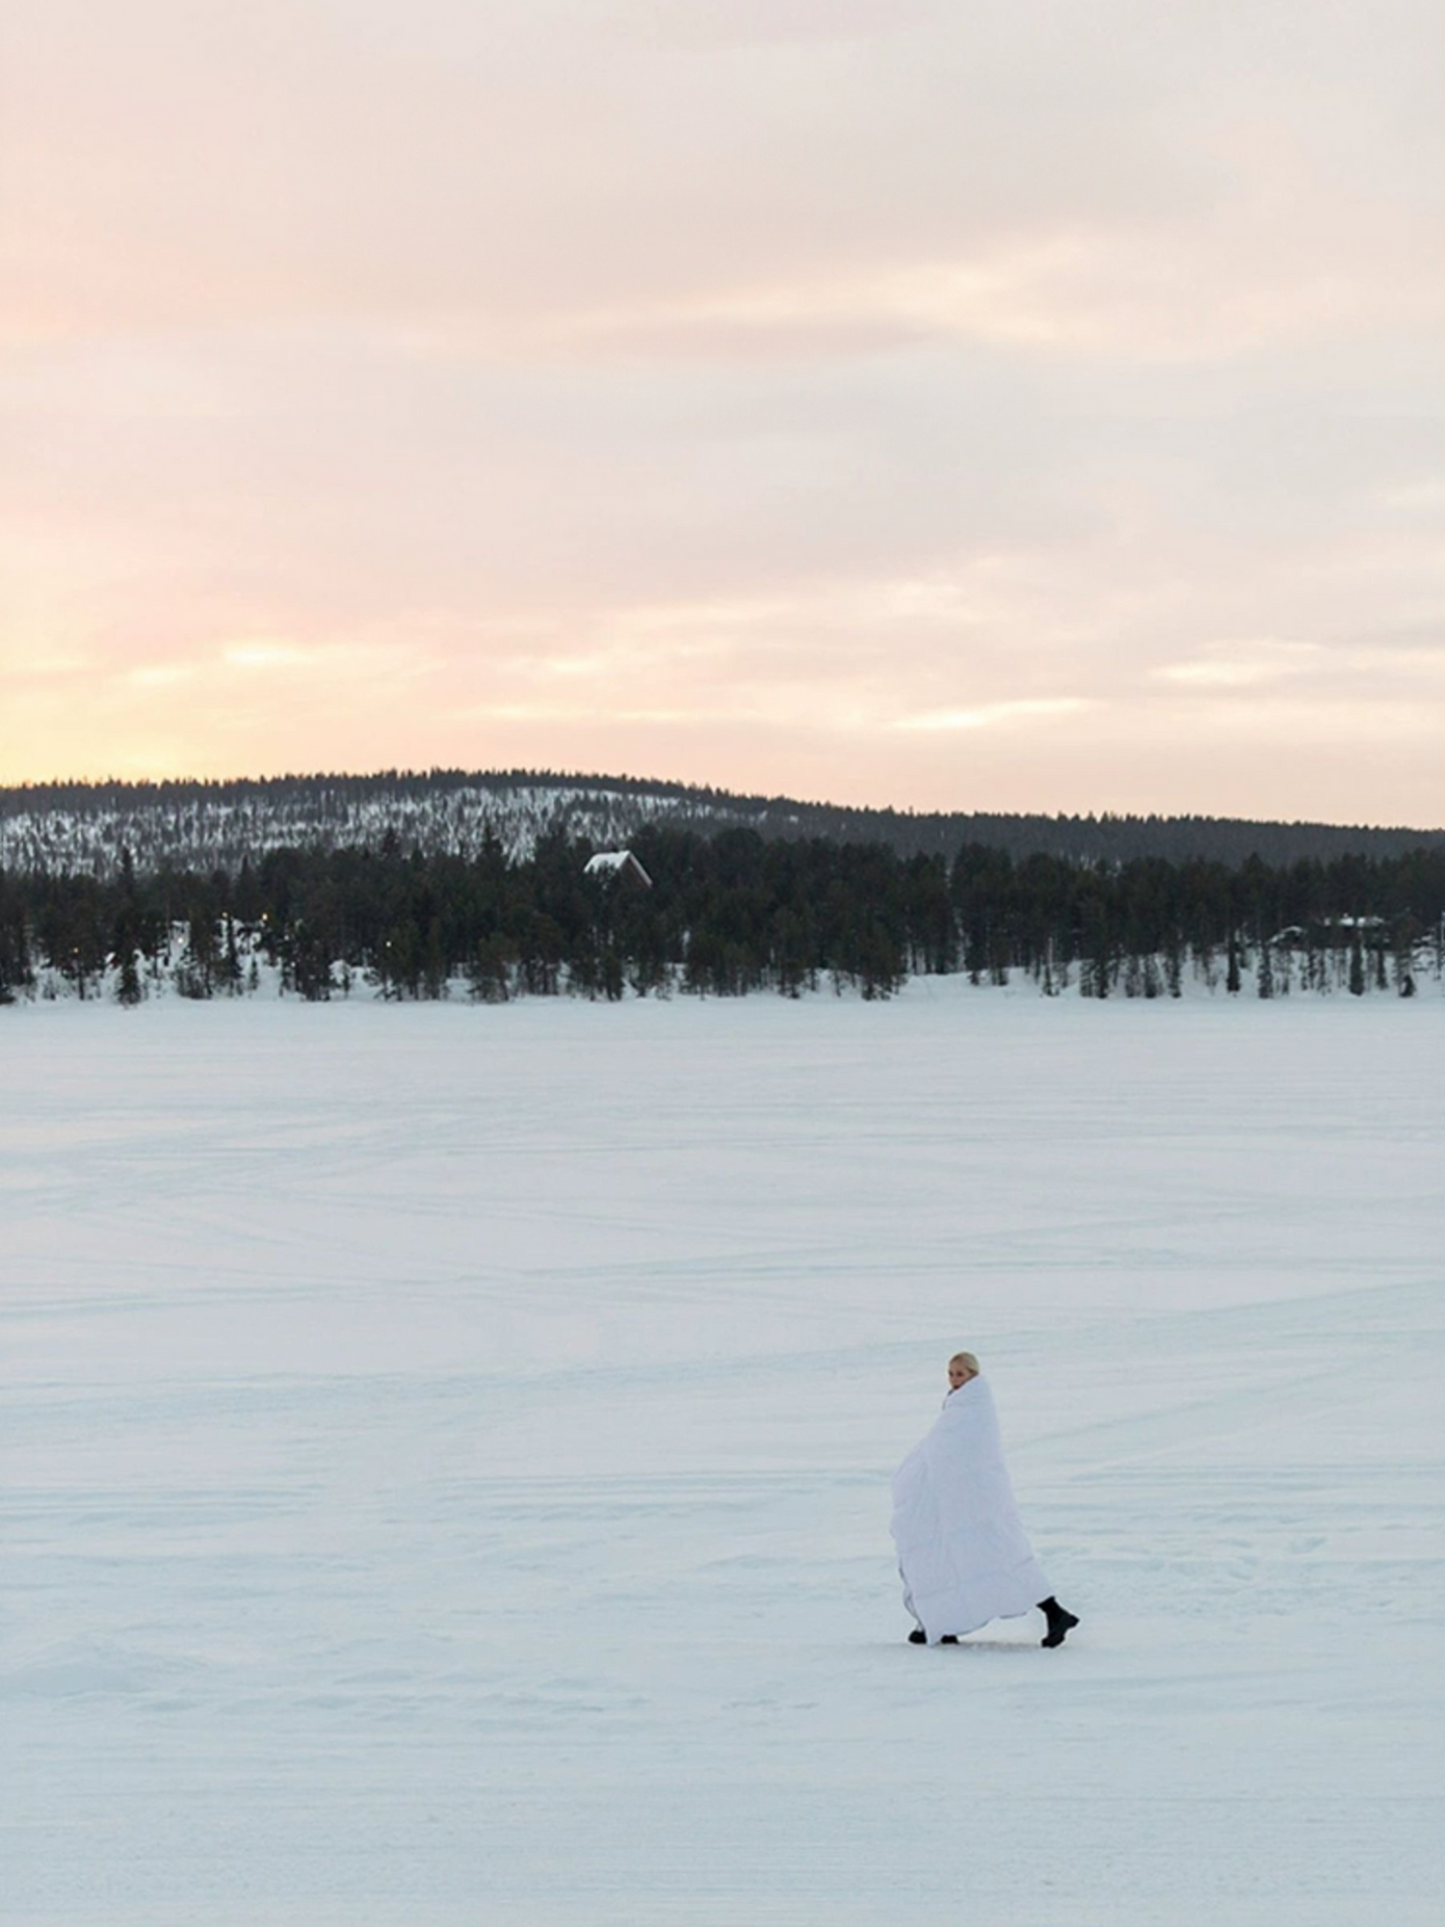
(961, 1545)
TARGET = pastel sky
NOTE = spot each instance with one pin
(1020, 404)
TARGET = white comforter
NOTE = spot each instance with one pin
(961, 1545)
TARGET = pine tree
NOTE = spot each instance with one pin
(1174, 968)
(231, 959)
(1404, 937)
(128, 990)
(489, 972)
(1357, 965)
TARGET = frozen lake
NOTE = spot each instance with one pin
(446, 1458)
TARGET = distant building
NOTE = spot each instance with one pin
(618, 863)
(1329, 933)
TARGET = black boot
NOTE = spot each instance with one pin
(918, 1637)
(1061, 1622)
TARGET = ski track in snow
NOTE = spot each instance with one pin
(446, 1460)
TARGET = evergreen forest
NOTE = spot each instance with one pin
(724, 915)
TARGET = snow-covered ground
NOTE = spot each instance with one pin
(445, 1473)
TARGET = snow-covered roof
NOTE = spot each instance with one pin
(616, 863)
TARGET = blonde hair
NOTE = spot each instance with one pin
(967, 1360)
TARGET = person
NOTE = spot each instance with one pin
(962, 1553)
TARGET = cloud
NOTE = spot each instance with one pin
(1229, 665)
(907, 401)
(992, 714)
(160, 675)
(267, 656)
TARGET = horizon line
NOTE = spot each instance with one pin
(658, 783)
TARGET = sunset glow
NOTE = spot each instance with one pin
(1019, 406)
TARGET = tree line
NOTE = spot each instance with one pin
(726, 914)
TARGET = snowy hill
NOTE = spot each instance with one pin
(220, 826)
(79, 827)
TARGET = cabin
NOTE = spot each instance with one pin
(620, 866)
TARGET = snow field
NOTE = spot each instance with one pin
(446, 1461)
